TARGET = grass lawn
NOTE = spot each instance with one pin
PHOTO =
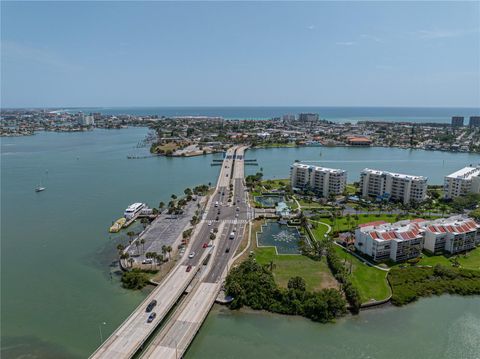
(168, 146)
(342, 224)
(470, 261)
(317, 275)
(370, 281)
(320, 230)
(276, 183)
(351, 189)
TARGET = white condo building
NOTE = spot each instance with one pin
(461, 182)
(405, 239)
(395, 186)
(321, 180)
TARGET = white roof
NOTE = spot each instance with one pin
(319, 168)
(393, 174)
(466, 173)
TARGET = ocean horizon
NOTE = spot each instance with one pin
(330, 113)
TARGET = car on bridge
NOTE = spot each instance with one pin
(151, 317)
(191, 255)
(151, 305)
(189, 268)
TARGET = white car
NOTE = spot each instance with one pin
(209, 223)
(191, 255)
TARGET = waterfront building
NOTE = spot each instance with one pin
(288, 117)
(452, 235)
(406, 239)
(358, 141)
(393, 186)
(461, 182)
(321, 180)
(88, 120)
(474, 121)
(308, 117)
(457, 121)
(390, 241)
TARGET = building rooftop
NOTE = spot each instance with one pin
(396, 175)
(466, 173)
(318, 168)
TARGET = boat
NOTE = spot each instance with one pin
(39, 189)
(117, 226)
(134, 210)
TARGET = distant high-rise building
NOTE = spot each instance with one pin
(288, 117)
(474, 121)
(89, 120)
(308, 117)
(457, 121)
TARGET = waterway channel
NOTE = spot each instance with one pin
(59, 293)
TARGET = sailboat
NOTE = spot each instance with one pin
(39, 188)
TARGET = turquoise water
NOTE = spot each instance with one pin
(435, 328)
(56, 256)
(331, 113)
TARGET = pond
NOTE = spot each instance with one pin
(269, 200)
(283, 237)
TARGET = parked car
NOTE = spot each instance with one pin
(189, 268)
(151, 305)
(205, 245)
(151, 317)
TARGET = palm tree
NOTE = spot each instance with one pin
(187, 191)
(161, 205)
(142, 242)
(173, 197)
(120, 248)
(169, 250)
(164, 249)
(124, 256)
(130, 235)
(158, 258)
(137, 245)
(131, 261)
(144, 222)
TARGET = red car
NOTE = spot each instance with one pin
(189, 268)
(205, 245)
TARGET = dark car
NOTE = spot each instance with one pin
(151, 317)
(216, 218)
(151, 305)
(189, 268)
(227, 250)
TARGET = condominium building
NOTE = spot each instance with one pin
(451, 235)
(308, 117)
(394, 186)
(457, 121)
(461, 182)
(389, 241)
(321, 180)
(288, 117)
(474, 121)
(406, 239)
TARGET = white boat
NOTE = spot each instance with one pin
(134, 210)
(39, 189)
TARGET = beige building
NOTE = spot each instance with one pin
(395, 186)
(321, 180)
(461, 182)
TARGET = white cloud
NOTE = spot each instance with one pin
(345, 43)
(311, 27)
(442, 34)
(370, 37)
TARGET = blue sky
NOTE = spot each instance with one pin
(232, 53)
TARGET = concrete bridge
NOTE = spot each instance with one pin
(180, 329)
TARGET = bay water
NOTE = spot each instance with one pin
(60, 292)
